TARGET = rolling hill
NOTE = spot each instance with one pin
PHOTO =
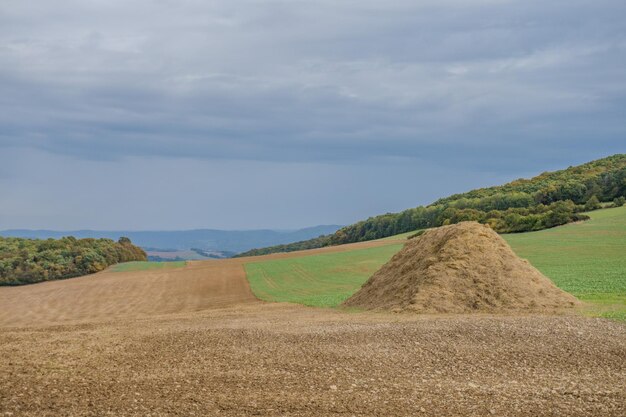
(547, 200)
(585, 259)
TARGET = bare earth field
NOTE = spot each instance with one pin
(110, 295)
(195, 341)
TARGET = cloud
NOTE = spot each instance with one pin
(493, 86)
(136, 193)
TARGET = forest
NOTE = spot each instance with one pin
(547, 200)
(26, 261)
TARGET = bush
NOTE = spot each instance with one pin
(592, 204)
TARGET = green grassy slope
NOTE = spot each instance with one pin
(324, 280)
(144, 266)
(587, 259)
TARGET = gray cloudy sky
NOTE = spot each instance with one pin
(169, 114)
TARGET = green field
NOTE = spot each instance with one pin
(323, 280)
(145, 266)
(586, 259)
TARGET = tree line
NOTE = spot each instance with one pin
(547, 200)
(26, 261)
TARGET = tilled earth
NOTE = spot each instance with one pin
(285, 360)
(195, 341)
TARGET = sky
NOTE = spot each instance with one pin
(182, 114)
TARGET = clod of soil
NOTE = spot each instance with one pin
(461, 268)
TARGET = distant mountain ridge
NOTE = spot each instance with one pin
(205, 239)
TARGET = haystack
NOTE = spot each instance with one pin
(460, 268)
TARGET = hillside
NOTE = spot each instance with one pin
(547, 200)
(26, 261)
(585, 259)
(185, 240)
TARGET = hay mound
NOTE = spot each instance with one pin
(462, 268)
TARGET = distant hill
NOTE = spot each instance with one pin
(209, 240)
(547, 200)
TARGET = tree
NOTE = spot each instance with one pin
(593, 203)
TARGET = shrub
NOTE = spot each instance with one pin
(593, 203)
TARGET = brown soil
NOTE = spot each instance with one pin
(285, 360)
(194, 341)
(462, 268)
(111, 295)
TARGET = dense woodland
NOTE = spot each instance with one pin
(547, 200)
(26, 261)
(318, 242)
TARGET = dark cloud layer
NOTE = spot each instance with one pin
(487, 90)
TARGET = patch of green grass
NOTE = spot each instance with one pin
(587, 259)
(323, 280)
(145, 266)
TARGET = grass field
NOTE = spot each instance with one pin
(323, 280)
(144, 266)
(586, 259)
